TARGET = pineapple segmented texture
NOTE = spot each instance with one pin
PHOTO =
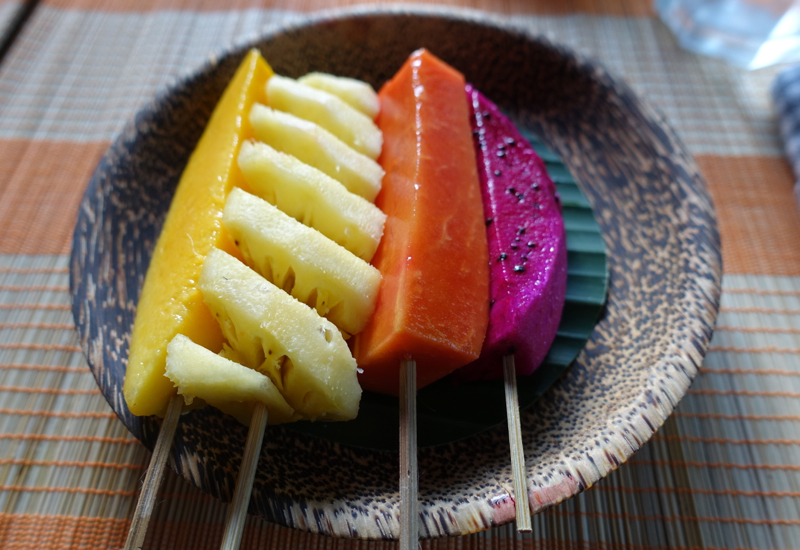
(312, 144)
(302, 353)
(346, 123)
(302, 261)
(222, 383)
(312, 198)
(356, 93)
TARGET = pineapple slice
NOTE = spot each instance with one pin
(355, 93)
(312, 198)
(228, 386)
(316, 146)
(302, 261)
(348, 124)
(303, 354)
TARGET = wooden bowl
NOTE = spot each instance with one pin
(648, 197)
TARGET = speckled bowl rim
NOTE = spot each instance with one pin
(567, 479)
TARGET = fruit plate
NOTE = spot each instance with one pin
(648, 198)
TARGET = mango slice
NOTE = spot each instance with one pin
(170, 302)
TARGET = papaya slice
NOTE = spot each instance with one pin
(171, 302)
(433, 304)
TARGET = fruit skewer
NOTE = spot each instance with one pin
(409, 472)
(154, 476)
(188, 233)
(518, 471)
(527, 247)
(237, 513)
(336, 213)
(432, 308)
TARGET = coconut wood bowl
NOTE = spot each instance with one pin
(658, 226)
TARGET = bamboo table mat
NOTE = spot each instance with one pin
(723, 472)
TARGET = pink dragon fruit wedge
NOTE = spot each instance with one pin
(527, 246)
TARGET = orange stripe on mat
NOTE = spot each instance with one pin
(40, 192)
(629, 8)
(757, 213)
(34, 288)
(45, 532)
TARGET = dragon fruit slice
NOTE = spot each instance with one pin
(527, 245)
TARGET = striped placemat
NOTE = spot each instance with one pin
(723, 472)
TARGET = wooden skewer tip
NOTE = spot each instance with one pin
(409, 483)
(154, 476)
(518, 470)
(237, 513)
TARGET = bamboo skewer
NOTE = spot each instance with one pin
(155, 473)
(409, 530)
(237, 513)
(518, 470)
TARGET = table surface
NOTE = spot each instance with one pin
(723, 471)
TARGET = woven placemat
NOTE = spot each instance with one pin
(723, 472)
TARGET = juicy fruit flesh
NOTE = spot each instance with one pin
(170, 302)
(527, 245)
(433, 302)
(303, 354)
(355, 93)
(312, 198)
(303, 262)
(319, 148)
(222, 383)
(325, 109)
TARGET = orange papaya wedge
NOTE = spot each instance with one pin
(433, 304)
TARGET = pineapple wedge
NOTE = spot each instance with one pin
(302, 261)
(228, 386)
(355, 93)
(312, 198)
(303, 354)
(348, 124)
(316, 146)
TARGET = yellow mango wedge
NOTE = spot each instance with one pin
(170, 302)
